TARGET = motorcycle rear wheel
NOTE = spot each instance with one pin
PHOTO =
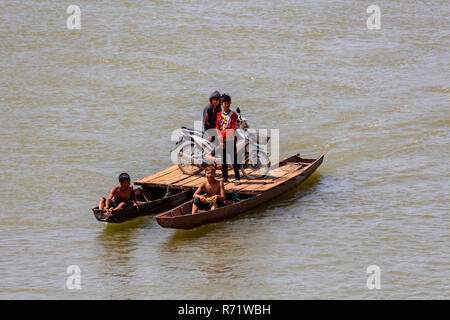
(188, 150)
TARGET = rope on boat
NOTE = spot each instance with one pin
(167, 191)
(235, 195)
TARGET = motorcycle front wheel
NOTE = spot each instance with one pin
(256, 166)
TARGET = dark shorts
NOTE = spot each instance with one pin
(206, 205)
(113, 203)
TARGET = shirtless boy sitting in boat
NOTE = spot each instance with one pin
(214, 190)
(120, 196)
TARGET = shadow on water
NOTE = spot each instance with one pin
(134, 224)
(286, 200)
(182, 235)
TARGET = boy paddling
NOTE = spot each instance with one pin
(120, 196)
(214, 190)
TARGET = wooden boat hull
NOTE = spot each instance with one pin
(181, 217)
(151, 200)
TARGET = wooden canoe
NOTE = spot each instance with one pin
(182, 218)
(151, 200)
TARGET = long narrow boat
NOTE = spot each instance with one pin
(294, 170)
(151, 200)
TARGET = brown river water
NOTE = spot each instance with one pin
(78, 107)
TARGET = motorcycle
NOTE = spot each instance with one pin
(197, 151)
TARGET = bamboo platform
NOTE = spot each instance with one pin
(276, 176)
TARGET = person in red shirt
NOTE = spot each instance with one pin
(226, 127)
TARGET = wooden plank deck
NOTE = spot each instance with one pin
(177, 179)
